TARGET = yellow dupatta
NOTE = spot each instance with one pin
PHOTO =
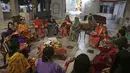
(22, 27)
(17, 63)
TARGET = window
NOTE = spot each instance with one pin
(107, 7)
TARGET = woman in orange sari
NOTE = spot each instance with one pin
(65, 27)
(39, 28)
(97, 35)
(24, 30)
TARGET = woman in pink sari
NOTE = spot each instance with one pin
(65, 27)
(41, 32)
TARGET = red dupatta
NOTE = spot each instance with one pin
(37, 23)
(100, 29)
(68, 20)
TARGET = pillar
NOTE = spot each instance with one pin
(14, 7)
(1, 13)
(35, 6)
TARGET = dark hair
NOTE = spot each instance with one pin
(14, 44)
(67, 16)
(127, 18)
(122, 32)
(82, 64)
(11, 24)
(48, 52)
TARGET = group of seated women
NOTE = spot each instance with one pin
(22, 33)
(70, 29)
(17, 63)
(51, 28)
(114, 58)
(45, 28)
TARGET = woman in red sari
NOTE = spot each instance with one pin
(65, 27)
(97, 35)
(41, 32)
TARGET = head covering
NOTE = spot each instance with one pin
(76, 22)
(82, 64)
(67, 18)
(10, 31)
(48, 52)
(14, 44)
(9, 24)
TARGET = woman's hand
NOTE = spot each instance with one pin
(23, 46)
(15, 33)
(36, 26)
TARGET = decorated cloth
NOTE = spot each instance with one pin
(59, 50)
(95, 38)
(40, 30)
(17, 63)
(52, 67)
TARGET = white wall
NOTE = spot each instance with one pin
(90, 6)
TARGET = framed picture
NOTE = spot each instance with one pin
(56, 8)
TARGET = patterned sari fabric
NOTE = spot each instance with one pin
(17, 63)
(23, 44)
(25, 31)
(39, 28)
(65, 28)
(95, 38)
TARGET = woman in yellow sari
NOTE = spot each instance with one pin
(24, 30)
(16, 62)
